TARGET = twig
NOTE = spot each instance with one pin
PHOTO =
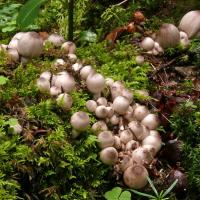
(164, 66)
(119, 4)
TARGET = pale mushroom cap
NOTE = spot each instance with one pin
(135, 176)
(190, 23)
(137, 130)
(109, 155)
(106, 139)
(43, 84)
(95, 83)
(46, 75)
(139, 59)
(56, 40)
(30, 45)
(168, 36)
(86, 71)
(147, 43)
(13, 44)
(151, 121)
(91, 105)
(65, 82)
(142, 156)
(80, 120)
(65, 101)
(120, 105)
(140, 112)
(99, 126)
(154, 141)
(126, 136)
(69, 47)
(14, 55)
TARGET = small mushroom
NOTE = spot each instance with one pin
(80, 121)
(135, 176)
(109, 156)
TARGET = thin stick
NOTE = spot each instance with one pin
(119, 4)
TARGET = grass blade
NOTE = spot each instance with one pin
(141, 193)
(170, 188)
(152, 186)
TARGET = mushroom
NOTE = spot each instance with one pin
(86, 71)
(184, 41)
(95, 83)
(131, 145)
(13, 54)
(154, 141)
(147, 43)
(106, 139)
(120, 105)
(77, 67)
(140, 112)
(43, 84)
(117, 142)
(15, 129)
(125, 136)
(59, 62)
(56, 40)
(142, 156)
(30, 45)
(139, 59)
(46, 75)
(151, 121)
(99, 126)
(190, 24)
(54, 91)
(101, 112)
(13, 44)
(135, 176)
(109, 156)
(139, 132)
(168, 36)
(65, 81)
(80, 121)
(65, 101)
(69, 47)
(91, 105)
(72, 57)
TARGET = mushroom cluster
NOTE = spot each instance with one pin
(27, 45)
(24, 45)
(126, 131)
(170, 36)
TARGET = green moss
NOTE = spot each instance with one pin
(118, 63)
(186, 125)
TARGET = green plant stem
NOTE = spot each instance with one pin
(70, 19)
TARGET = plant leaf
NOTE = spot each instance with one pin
(113, 194)
(126, 195)
(88, 36)
(152, 186)
(142, 194)
(3, 80)
(29, 12)
(170, 188)
(12, 122)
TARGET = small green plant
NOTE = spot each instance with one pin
(8, 16)
(117, 194)
(3, 80)
(158, 195)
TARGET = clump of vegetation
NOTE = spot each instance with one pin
(186, 126)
